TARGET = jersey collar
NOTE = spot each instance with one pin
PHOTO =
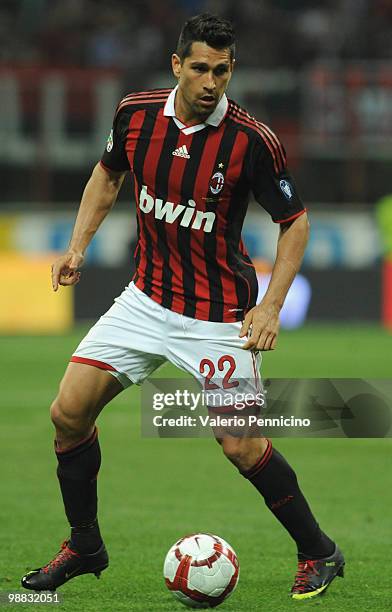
(214, 119)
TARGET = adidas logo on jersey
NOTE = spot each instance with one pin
(169, 212)
(182, 152)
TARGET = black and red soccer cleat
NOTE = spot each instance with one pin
(67, 564)
(314, 576)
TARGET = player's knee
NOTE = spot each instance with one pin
(65, 418)
(243, 452)
(235, 449)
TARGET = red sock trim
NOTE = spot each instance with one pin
(261, 463)
(93, 362)
(90, 439)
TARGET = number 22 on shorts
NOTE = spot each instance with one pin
(226, 364)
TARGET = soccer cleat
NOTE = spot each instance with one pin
(314, 576)
(67, 564)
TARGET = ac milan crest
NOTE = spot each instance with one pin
(216, 183)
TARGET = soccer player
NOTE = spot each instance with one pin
(195, 157)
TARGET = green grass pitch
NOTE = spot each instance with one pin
(154, 491)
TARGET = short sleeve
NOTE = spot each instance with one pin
(115, 157)
(272, 184)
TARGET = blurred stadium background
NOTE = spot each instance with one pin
(320, 74)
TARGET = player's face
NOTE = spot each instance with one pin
(203, 77)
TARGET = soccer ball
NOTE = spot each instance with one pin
(201, 570)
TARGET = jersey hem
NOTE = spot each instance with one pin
(108, 170)
(226, 318)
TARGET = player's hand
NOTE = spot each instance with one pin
(262, 322)
(65, 269)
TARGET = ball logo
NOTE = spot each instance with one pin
(216, 183)
(109, 144)
(286, 189)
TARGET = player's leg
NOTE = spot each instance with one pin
(216, 349)
(123, 347)
(269, 472)
(83, 392)
(319, 559)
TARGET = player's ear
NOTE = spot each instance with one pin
(176, 65)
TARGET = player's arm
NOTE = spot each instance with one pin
(263, 319)
(98, 198)
(274, 188)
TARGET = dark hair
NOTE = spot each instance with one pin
(215, 31)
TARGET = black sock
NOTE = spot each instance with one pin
(86, 538)
(276, 481)
(77, 472)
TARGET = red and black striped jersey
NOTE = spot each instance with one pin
(192, 188)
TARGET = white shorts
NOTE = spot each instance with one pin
(137, 335)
